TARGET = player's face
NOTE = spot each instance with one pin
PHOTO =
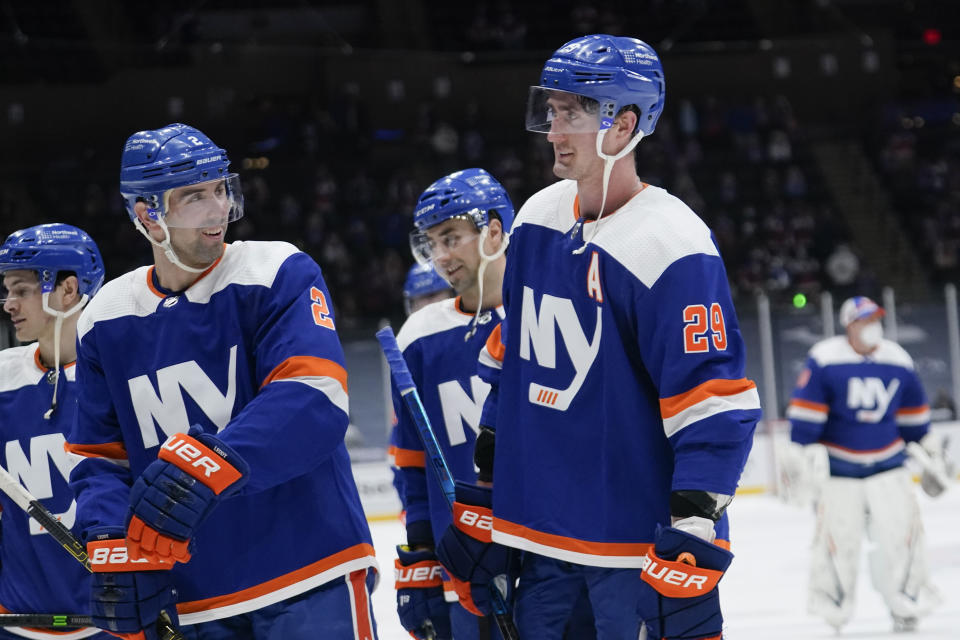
(455, 254)
(197, 221)
(573, 134)
(24, 303)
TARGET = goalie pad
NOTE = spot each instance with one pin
(834, 562)
(898, 564)
(931, 455)
(801, 472)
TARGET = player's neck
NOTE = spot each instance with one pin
(170, 276)
(68, 343)
(623, 184)
(492, 288)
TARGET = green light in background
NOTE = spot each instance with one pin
(799, 300)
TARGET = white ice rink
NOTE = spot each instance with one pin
(764, 592)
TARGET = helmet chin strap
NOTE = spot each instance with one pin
(57, 326)
(485, 259)
(165, 245)
(608, 162)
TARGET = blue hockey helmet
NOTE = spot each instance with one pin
(49, 249)
(605, 74)
(155, 161)
(471, 193)
(422, 280)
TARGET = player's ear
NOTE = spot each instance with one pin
(70, 287)
(140, 210)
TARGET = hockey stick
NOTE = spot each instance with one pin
(408, 391)
(25, 500)
(46, 620)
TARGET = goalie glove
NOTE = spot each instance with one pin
(177, 491)
(420, 602)
(931, 454)
(127, 597)
(681, 573)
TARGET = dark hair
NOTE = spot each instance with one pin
(63, 275)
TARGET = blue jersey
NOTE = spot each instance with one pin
(620, 377)
(444, 368)
(248, 352)
(863, 409)
(37, 575)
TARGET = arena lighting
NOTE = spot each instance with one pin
(932, 36)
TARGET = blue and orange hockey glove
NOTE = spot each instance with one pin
(468, 554)
(420, 603)
(681, 601)
(127, 596)
(177, 491)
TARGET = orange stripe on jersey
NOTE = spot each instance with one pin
(896, 442)
(673, 405)
(200, 277)
(307, 366)
(495, 346)
(572, 544)
(809, 404)
(355, 552)
(906, 411)
(409, 458)
(361, 604)
(112, 450)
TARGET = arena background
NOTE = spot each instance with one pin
(817, 138)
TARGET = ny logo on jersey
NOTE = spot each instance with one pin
(460, 407)
(34, 473)
(538, 330)
(167, 407)
(870, 397)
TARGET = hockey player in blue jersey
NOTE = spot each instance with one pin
(49, 273)
(213, 406)
(462, 224)
(424, 286)
(860, 402)
(619, 419)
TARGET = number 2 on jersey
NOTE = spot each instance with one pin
(321, 312)
(695, 330)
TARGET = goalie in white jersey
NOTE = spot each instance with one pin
(860, 404)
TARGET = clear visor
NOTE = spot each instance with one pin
(205, 204)
(427, 247)
(555, 111)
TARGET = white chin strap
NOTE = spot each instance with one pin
(485, 259)
(165, 246)
(608, 162)
(57, 325)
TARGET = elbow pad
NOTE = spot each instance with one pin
(483, 453)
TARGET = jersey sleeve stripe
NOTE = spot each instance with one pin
(674, 405)
(495, 347)
(409, 458)
(913, 416)
(797, 412)
(748, 400)
(342, 563)
(307, 367)
(329, 387)
(114, 451)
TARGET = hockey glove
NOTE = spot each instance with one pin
(681, 573)
(176, 492)
(420, 602)
(466, 551)
(127, 596)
